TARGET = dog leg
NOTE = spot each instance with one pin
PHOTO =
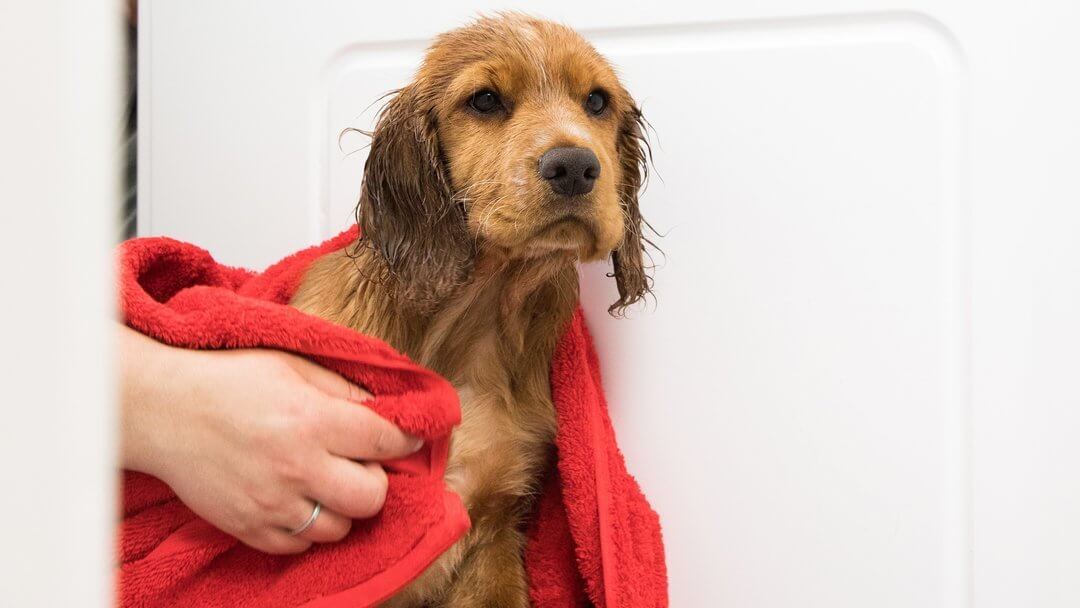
(493, 574)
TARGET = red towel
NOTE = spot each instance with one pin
(593, 538)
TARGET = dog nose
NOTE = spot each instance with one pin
(570, 171)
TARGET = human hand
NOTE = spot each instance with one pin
(249, 439)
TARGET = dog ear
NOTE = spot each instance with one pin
(407, 213)
(628, 260)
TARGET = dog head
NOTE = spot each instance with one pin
(515, 137)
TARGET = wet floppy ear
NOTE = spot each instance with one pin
(628, 259)
(407, 213)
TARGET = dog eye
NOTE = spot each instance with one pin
(596, 102)
(485, 101)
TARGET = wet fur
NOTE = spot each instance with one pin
(468, 265)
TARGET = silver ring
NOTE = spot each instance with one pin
(310, 521)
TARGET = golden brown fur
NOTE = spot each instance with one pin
(468, 263)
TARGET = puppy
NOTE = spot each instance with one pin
(513, 154)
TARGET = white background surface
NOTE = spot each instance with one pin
(857, 385)
(61, 117)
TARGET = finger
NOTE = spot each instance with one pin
(328, 527)
(330, 383)
(354, 431)
(276, 542)
(352, 489)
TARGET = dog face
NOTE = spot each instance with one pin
(515, 137)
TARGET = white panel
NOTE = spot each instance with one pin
(792, 399)
(805, 315)
(59, 205)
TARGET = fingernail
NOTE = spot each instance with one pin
(418, 442)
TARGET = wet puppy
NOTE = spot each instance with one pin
(514, 153)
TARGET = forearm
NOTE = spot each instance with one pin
(147, 386)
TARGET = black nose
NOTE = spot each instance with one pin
(570, 171)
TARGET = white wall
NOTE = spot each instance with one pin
(60, 116)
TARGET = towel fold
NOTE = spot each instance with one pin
(593, 539)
